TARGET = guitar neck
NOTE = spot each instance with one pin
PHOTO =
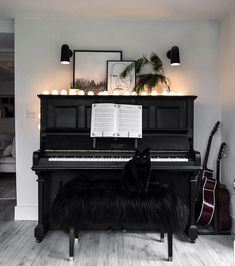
(219, 158)
(218, 170)
(204, 166)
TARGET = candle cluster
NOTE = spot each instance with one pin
(116, 93)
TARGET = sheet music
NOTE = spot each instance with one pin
(129, 121)
(103, 120)
(116, 120)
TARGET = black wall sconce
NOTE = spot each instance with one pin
(66, 54)
(174, 56)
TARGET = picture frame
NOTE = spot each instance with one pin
(117, 85)
(89, 69)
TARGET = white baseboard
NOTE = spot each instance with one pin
(26, 213)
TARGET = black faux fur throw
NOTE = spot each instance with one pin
(81, 202)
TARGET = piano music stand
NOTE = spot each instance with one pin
(94, 143)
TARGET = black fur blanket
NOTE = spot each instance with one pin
(81, 202)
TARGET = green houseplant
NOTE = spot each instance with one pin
(151, 80)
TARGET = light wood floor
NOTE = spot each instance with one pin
(7, 209)
(7, 186)
(18, 247)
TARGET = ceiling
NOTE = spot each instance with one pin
(141, 9)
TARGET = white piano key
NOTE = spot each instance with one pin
(113, 159)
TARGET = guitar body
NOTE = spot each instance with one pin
(208, 198)
(206, 188)
(224, 219)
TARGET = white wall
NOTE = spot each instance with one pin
(37, 45)
(228, 104)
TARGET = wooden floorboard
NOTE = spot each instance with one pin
(18, 247)
(7, 209)
(7, 185)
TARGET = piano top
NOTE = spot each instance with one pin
(167, 122)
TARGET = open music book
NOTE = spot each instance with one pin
(116, 120)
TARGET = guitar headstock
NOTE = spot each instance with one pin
(216, 126)
(221, 151)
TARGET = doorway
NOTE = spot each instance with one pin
(7, 128)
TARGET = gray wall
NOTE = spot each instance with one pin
(228, 104)
(37, 53)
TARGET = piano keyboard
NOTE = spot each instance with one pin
(113, 159)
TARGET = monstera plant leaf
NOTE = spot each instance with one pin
(150, 80)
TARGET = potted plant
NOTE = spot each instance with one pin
(147, 81)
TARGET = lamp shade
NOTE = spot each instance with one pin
(66, 54)
(174, 56)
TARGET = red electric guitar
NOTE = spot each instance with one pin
(222, 215)
(208, 187)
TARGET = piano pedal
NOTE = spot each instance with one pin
(76, 240)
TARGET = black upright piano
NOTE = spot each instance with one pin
(67, 150)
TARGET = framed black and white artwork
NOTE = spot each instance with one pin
(89, 69)
(116, 84)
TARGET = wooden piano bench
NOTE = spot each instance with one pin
(88, 205)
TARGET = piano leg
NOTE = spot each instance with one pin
(169, 244)
(39, 230)
(71, 244)
(76, 234)
(193, 231)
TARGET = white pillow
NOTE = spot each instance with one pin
(13, 149)
(7, 151)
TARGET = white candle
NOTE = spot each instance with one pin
(154, 93)
(81, 92)
(143, 93)
(105, 93)
(100, 93)
(116, 93)
(72, 92)
(54, 92)
(133, 93)
(63, 92)
(126, 93)
(90, 93)
(46, 92)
